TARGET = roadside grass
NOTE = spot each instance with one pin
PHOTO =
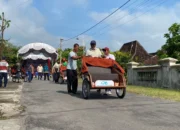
(80, 80)
(163, 93)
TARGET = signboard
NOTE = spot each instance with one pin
(104, 83)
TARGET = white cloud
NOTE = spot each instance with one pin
(27, 23)
(81, 2)
(149, 29)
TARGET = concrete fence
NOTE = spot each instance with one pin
(166, 74)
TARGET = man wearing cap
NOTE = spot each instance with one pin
(93, 51)
(3, 72)
(107, 55)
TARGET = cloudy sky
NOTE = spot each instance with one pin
(49, 20)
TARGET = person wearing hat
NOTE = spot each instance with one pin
(93, 51)
(107, 55)
(4, 71)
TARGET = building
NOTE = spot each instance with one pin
(139, 54)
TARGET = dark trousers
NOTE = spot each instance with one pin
(3, 75)
(56, 77)
(29, 76)
(40, 75)
(46, 75)
(72, 81)
(32, 75)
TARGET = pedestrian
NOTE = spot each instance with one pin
(18, 68)
(93, 51)
(72, 78)
(40, 72)
(107, 55)
(33, 72)
(46, 71)
(4, 72)
(30, 71)
(64, 62)
(56, 71)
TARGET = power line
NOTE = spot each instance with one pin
(99, 21)
(133, 9)
(134, 17)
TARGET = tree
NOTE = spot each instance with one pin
(4, 25)
(172, 46)
(10, 52)
(122, 58)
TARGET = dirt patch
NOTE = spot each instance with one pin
(10, 101)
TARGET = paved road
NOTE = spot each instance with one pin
(49, 107)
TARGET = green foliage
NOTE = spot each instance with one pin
(10, 52)
(5, 24)
(172, 46)
(122, 58)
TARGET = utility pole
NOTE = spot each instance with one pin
(61, 40)
(2, 34)
(4, 25)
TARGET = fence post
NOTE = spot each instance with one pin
(166, 69)
(130, 71)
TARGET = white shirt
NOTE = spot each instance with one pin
(57, 66)
(4, 66)
(72, 64)
(110, 56)
(40, 69)
(94, 53)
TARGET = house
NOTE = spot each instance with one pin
(139, 54)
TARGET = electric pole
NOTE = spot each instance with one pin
(2, 34)
(61, 40)
(4, 25)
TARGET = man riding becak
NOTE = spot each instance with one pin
(107, 55)
(93, 51)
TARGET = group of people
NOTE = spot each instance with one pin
(41, 70)
(72, 78)
(72, 75)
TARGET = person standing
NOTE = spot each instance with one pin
(46, 71)
(72, 77)
(40, 72)
(56, 71)
(107, 55)
(30, 71)
(18, 68)
(33, 72)
(4, 71)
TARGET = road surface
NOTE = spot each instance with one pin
(50, 107)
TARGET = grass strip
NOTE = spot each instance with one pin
(162, 93)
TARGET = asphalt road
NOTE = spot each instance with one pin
(50, 107)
